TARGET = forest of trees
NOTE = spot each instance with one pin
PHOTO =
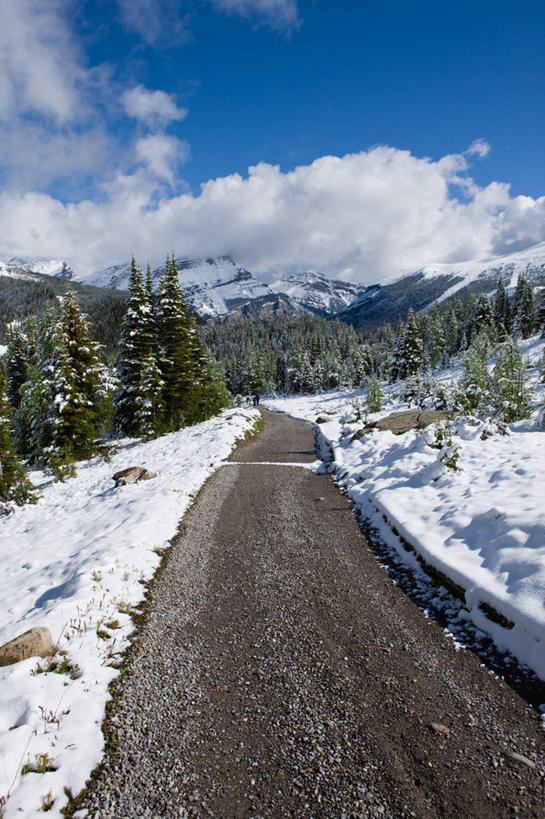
(58, 393)
(60, 389)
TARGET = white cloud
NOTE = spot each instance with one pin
(366, 215)
(154, 108)
(479, 147)
(280, 14)
(156, 20)
(162, 154)
(39, 60)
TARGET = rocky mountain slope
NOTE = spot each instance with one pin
(418, 289)
(219, 287)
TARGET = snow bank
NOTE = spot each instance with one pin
(482, 526)
(76, 562)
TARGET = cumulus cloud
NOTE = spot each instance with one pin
(39, 60)
(279, 14)
(154, 108)
(162, 154)
(364, 215)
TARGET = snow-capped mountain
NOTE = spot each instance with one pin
(47, 267)
(420, 288)
(219, 287)
(312, 291)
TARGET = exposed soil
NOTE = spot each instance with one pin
(280, 672)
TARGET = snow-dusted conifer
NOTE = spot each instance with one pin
(483, 321)
(511, 395)
(523, 309)
(175, 353)
(16, 364)
(14, 484)
(83, 387)
(412, 348)
(137, 404)
(502, 310)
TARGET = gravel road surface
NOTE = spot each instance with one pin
(279, 672)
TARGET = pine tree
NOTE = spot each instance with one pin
(373, 399)
(502, 310)
(175, 352)
(14, 484)
(436, 338)
(412, 348)
(16, 364)
(523, 309)
(483, 321)
(511, 394)
(138, 402)
(477, 383)
(84, 384)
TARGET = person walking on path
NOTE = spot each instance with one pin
(256, 398)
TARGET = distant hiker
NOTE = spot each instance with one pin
(256, 398)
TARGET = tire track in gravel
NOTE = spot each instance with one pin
(279, 672)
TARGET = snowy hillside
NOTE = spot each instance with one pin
(47, 267)
(77, 562)
(314, 291)
(391, 299)
(483, 525)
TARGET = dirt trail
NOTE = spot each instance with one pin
(280, 672)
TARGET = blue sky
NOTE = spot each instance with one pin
(435, 113)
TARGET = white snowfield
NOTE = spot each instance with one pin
(483, 526)
(76, 562)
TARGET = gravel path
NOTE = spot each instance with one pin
(280, 672)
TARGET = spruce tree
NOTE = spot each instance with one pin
(502, 311)
(14, 484)
(84, 384)
(523, 309)
(138, 402)
(483, 321)
(511, 394)
(412, 348)
(16, 364)
(175, 351)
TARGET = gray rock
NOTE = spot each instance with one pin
(132, 474)
(400, 422)
(37, 642)
(323, 419)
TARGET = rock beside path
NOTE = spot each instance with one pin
(37, 642)
(400, 422)
(132, 474)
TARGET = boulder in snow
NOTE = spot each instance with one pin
(400, 422)
(37, 642)
(132, 474)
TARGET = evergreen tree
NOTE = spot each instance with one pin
(477, 383)
(436, 343)
(511, 394)
(14, 484)
(138, 402)
(175, 351)
(412, 348)
(16, 364)
(502, 311)
(373, 399)
(523, 309)
(83, 384)
(483, 321)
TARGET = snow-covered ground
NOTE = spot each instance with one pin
(483, 526)
(76, 562)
